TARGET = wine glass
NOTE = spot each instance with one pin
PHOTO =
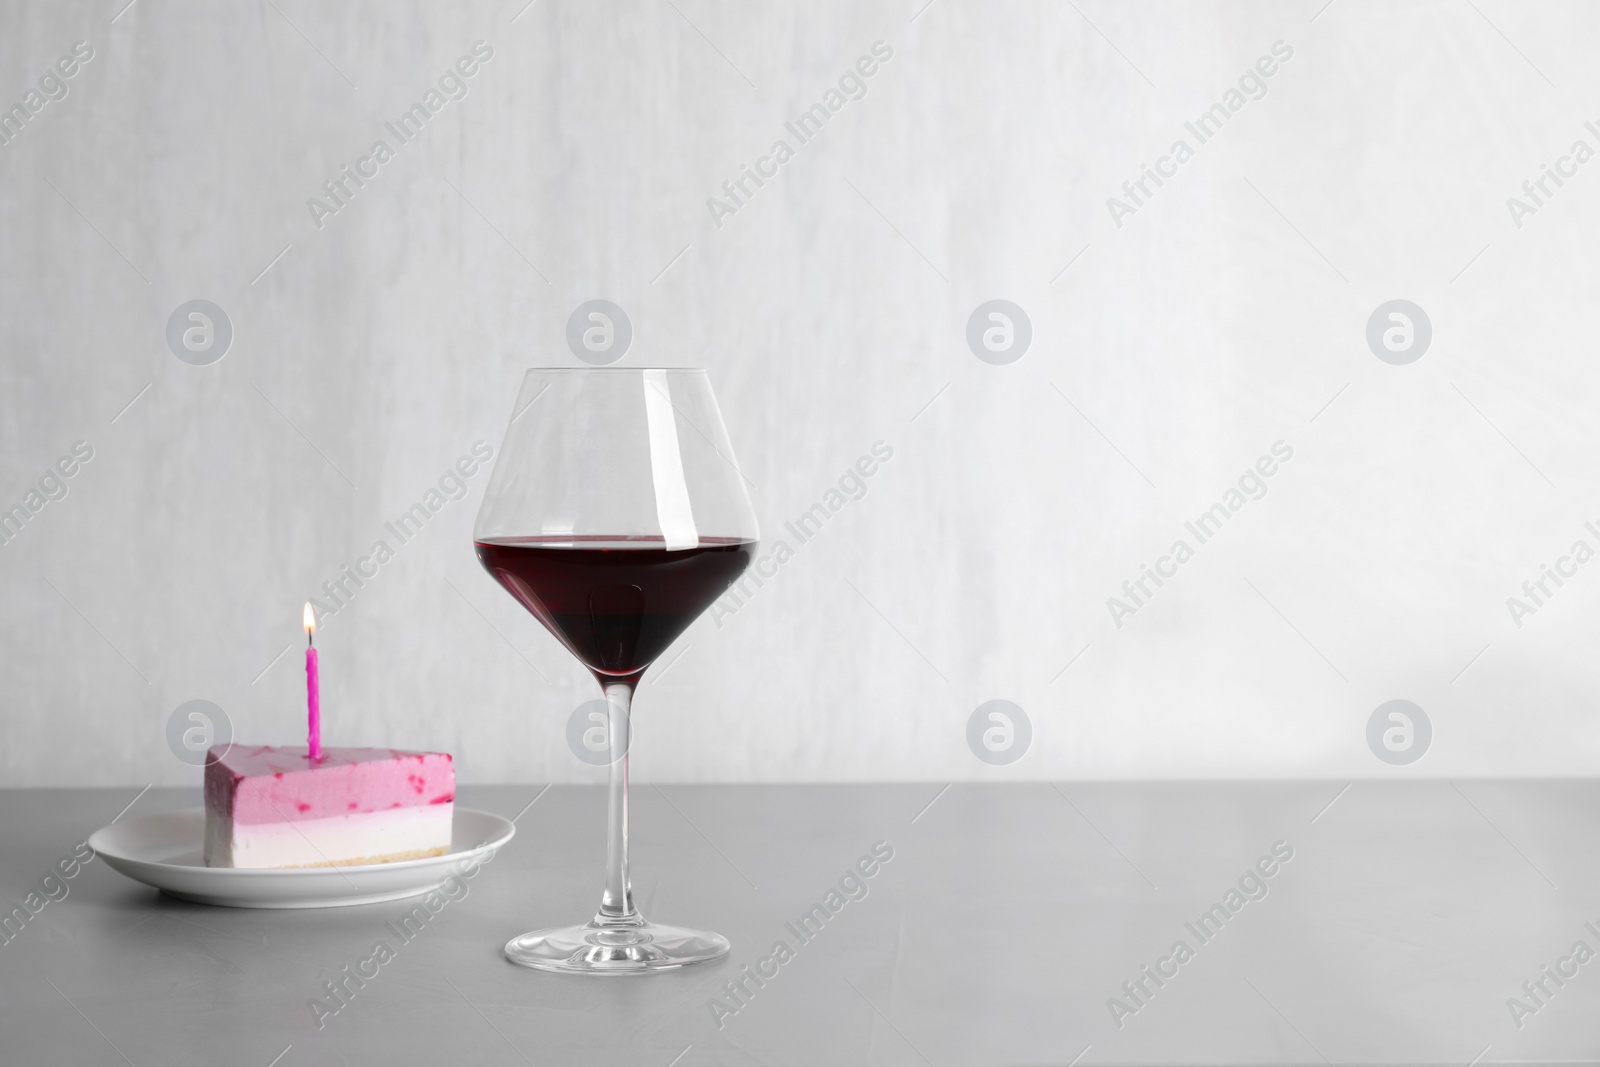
(616, 514)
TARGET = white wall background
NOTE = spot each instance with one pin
(1221, 318)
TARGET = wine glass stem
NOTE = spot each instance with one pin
(616, 906)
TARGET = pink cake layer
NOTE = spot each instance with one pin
(253, 784)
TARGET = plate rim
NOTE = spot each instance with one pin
(507, 830)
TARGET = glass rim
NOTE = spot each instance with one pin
(613, 370)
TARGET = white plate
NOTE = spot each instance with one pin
(165, 851)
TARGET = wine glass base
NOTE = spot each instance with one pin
(598, 947)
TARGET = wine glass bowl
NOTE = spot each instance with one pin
(616, 514)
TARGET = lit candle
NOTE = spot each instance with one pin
(313, 690)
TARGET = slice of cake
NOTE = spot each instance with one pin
(272, 806)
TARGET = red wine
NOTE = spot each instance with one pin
(615, 602)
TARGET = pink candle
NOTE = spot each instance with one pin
(313, 690)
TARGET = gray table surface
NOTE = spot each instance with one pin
(1007, 918)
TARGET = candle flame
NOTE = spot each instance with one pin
(309, 620)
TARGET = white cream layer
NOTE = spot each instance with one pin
(338, 839)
